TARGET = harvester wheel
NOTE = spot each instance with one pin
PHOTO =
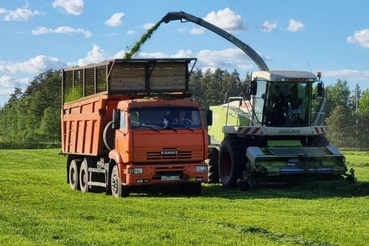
(213, 167)
(252, 181)
(321, 141)
(83, 177)
(117, 189)
(73, 175)
(232, 158)
(242, 185)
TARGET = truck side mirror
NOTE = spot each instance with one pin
(116, 119)
(209, 117)
(320, 90)
(253, 87)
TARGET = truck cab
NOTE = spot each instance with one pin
(152, 146)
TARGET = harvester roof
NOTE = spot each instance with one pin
(284, 75)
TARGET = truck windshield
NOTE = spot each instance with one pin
(169, 117)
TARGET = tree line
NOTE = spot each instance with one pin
(31, 117)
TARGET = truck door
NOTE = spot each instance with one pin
(122, 138)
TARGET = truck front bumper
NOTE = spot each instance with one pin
(165, 174)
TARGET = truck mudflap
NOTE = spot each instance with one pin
(295, 161)
(137, 175)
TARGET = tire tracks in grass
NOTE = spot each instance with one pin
(275, 236)
(278, 237)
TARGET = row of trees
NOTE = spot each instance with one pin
(33, 115)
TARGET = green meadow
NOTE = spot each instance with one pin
(37, 207)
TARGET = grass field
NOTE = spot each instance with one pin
(38, 208)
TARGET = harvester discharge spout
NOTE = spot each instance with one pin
(244, 47)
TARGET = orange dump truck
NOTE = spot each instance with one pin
(127, 125)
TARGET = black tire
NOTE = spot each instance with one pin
(232, 158)
(213, 166)
(320, 141)
(83, 177)
(193, 189)
(73, 175)
(117, 189)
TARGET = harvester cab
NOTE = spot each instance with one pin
(284, 99)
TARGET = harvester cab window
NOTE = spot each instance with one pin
(286, 104)
(258, 100)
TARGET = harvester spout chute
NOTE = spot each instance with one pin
(244, 47)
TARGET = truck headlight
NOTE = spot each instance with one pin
(201, 168)
(136, 170)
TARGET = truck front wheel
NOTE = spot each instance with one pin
(232, 158)
(117, 189)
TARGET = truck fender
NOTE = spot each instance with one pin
(117, 159)
(114, 155)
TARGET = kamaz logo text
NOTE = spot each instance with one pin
(289, 131)
(169, 152)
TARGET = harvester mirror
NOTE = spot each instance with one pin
(253, 87)
(320, 90)
(116, 119)
(209, 117)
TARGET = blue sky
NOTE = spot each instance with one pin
(330, 36)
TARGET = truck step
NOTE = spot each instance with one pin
(96, 184)
(96, 170)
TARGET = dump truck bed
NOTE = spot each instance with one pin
(83, 123)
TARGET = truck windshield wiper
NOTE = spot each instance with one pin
(169, 128)
(186, 127)
(152, 128)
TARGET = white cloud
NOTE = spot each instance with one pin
(361, 37)
(119, 54)
(61, 29)
(115, 20)
(34, 65)
(182, 29)
(73, 7)
(347, 74)
(224, 59)
(148, 25)
(196, 31)
(267, 26)
(226, 19)
(95, 55)
(183, 53)
(20, 14)
(8, 81)
(295, 25)
(6, 92)
(221, 58)
(130, 32)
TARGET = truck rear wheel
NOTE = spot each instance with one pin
(83, 177)
(117, 189)
(73, 175)
(213, 167)
(232, 158)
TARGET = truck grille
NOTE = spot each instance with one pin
(169, 154)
